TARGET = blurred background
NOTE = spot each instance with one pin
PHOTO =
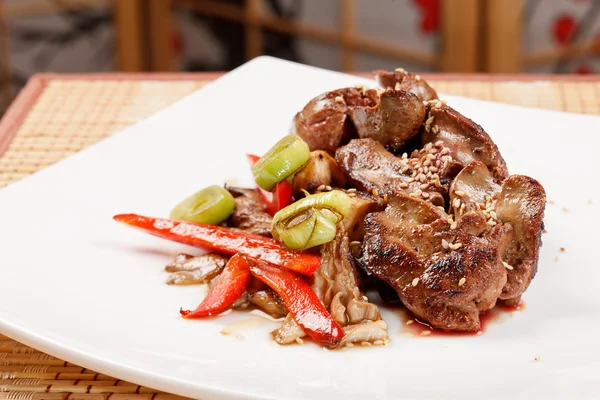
(467, 36)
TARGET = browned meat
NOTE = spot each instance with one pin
(445, 277)
(369, 166)
(250, 212)
(394, 120)
(465, 140)
(521, 203)
(323, 123)
(479, 203)
(188, 270)
(259, 295)
(402, 80)
(336, 284)
(320, 170)
(354, 221)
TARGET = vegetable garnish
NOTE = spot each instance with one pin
(226, 241)
(287, 156)
(211, 205)
(281, 195)
(227, 288)
(305, 306)
(311, 220)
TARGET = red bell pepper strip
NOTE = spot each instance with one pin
(227, 288)
(226, 241)
(306, 308)
(280, 197)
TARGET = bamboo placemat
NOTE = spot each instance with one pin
(56, 116)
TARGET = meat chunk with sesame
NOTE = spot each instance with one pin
(466, 141)
(480, 204)
(321, 170)
(324, 123)
(402, 80)
(445, 277)
(392, 121)
(369, 166)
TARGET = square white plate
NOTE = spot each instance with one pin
(79, 286)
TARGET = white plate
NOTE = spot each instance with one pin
(79, 286)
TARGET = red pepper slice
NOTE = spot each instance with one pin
(306, 308)
(228, 287)
(226, 241)
(280, 197)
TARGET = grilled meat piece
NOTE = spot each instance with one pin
(479, 203)
(322, 169)
(392, 121)
(324, 124)
(444, 276)
(521, 203)
(250, 212)
(466, 141)
(189, 270)
(369, 166)
(336, 284)
(402, 80)
(259, 295)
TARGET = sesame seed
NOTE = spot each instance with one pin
(352, 194)
(417, 77)
(435, 128)
(401, 70)
(422, 178)
(404, 185)
(415, 282)
(428, 146)
(444, 151)
(365, 343)
(445, 244)
(493, 214)
(438, 104)
(439, 143)
(425, 102)
(411, 180)
(339, 99)
(479, 333)
(351, 190)
(429, 120)
(320, 188)
(491, 222)
(426, 333)
(404, 156)
(360, 87)
(456, 203)
(397, 86)
(410, 322)
(459, 192)
(455, 246)
(354, 243)
(424, 186)
(462, 281)
(413, 194)
(444, 102)
(454, 225)
(378, 342)
(418, 192)
(425, 195)
(536, 358)
(365, 298)
(427, 163)
(433, 169)
(507, 266)
(299, 341)
(462, 208)
(420, 170)
(386, 342)
(426, 171)
(349, 345)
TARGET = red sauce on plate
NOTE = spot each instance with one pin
(420, 328)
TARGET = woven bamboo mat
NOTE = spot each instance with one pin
(56, 116)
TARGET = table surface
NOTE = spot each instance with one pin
(55, 116)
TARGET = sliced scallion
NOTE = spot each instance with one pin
(211, 205)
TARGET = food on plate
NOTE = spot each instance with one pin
(384, 188)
